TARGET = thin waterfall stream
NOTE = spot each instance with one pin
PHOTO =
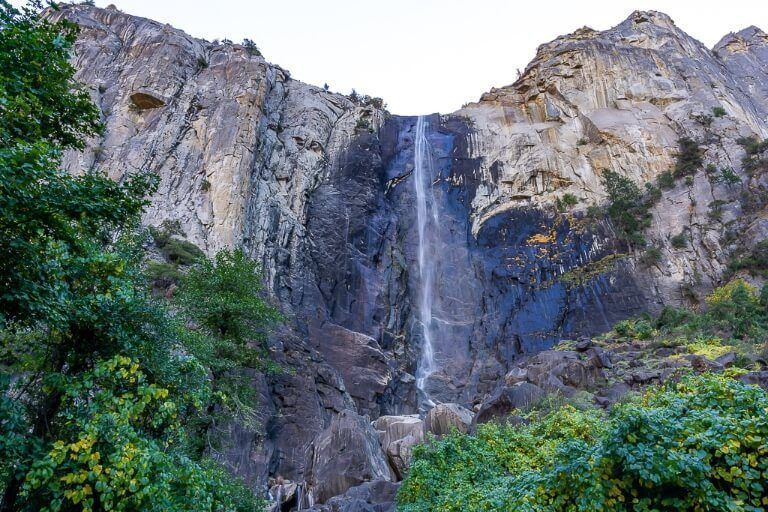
(426, 218)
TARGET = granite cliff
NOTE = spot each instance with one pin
(318, 187)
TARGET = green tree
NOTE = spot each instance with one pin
(51, 220)
(626, 207)
(689, 157)
(224, 299)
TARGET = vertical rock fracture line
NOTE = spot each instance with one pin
(426, 218)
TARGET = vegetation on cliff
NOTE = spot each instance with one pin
(697, 442)
(106, 394)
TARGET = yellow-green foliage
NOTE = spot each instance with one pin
(105, 459)
(699, 444)
(449, 474)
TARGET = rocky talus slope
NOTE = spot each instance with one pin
(317, 186)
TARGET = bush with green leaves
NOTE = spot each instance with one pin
(755, 157)
(461, 472)
(666, 180)
(119, 450)
(223, 298)
(679, 241)
(628, 209)
(755, 261)
(698, 444)
(689, 157)
(251, 48)
(728, 176)
(651, 256)
(566, 202)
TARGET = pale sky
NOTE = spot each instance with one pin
(422, 56)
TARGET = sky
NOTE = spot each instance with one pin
(421, 56)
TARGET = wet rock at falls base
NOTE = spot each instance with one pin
(442, 417)
(375, 496)
(345, 455)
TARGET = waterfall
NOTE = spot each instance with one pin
(426, 218)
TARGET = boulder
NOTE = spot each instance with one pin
(345, 455)
(282, 495)
(398, 435)
(727, 359)
(562, 370)
(757, 378)
(508, 399)
(400, 453)
(583, 344)
(516, 375)
(701, 364)
(375, 496)
(393, 428)
(442, 417)
(599, 358)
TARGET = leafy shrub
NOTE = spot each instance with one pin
(163, 275)
(704, 119)
(594, 212)
(568, 200)
(99, 461)
(694, 445)
(679, 241)
(639, 329)
(666, 180)
(175, 249)
(689, 157)
(671, 318)
(251, 47)
(651, 256)
(224, 298)
(626, 207)
(736, 307)
(728, 177)
(457, 473)
(363, 125)
(718, 111)
(755, 261)
(754, 158)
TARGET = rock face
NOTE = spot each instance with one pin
(345, 455)
(443, 417)
(318, 187)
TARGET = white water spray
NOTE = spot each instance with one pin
(426, 218)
